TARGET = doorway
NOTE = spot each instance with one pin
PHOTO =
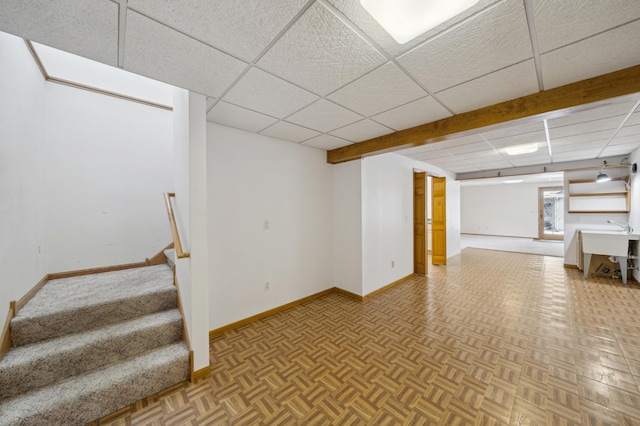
(551, 213)
(438, 220)
(419, 222)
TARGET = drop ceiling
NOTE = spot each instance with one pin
(323, 73)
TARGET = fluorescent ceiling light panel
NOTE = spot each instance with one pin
(513, 181)
(405, 20)
(526, 148)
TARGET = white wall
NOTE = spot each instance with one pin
(501, 209)
(82, 176)
(347, 229)
(454, 211)
(575, 221)
(387, 224)
(387, 220)
(634, 213)
(191, 210)
(22, 130)
(253, 179)
(108, 162)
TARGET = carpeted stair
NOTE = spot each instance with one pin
(170, 254)
(87, 346)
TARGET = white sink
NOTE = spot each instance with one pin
(611, 243)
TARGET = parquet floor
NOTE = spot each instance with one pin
(493, 338)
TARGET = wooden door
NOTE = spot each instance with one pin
(419, 223)
(438, 221)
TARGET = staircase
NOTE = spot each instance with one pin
(86, 346)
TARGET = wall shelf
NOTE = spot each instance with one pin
(589, 196)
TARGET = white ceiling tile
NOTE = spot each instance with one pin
(561, 22)
(629, 131)
(358, 15)
(578, 139)
(558, 148)
(381, 90)
(473, 147)
(459, 141)
(210, 103)
(601, 54)
(524, 160)
(159, 52)
(633, 120)
(493, 165)
(289, 132)
(593, 113)
(87, 28)
(486, 155)
(262, 92)
(620, 140)
(361, 131)
(240, 118)
(462, 168)
(324, 116)
(326, 142)
(620, 149)
(433, 155)
(508, 83)
(445, 161)
(419, 149)
(418, 112)
(534, 137)
(320, 53)
(603, 125)
(490, 41)
(513, 130)
(583, 154)
(240, 27)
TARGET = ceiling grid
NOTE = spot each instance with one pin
(323, 73)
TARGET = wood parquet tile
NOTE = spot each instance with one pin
(495, 338)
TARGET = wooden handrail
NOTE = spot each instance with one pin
(174, 227)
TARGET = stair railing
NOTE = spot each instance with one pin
(174, 228)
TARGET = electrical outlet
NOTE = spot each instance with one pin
(393, 263)
(266, 286)
(266, 225)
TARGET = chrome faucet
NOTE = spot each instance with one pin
(628, 229)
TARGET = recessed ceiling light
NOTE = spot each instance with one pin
(405, 20)
(513, 181)
(526, 148)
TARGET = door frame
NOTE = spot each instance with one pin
(438, 220)
(541, 234)
(420, 243)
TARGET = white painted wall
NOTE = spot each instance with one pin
(454, 211)
(182, 208)
(191, 210)
(253, 179)
(501, 209)
(347, 226)
(22, 131)
(634, 213)
(199, 240)
(387, 218)
(575, 221)
(108, 161)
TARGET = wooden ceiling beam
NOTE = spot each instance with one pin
(550, 103)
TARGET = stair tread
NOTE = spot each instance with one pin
(41, 351)
(68, 294)
(83, 398)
